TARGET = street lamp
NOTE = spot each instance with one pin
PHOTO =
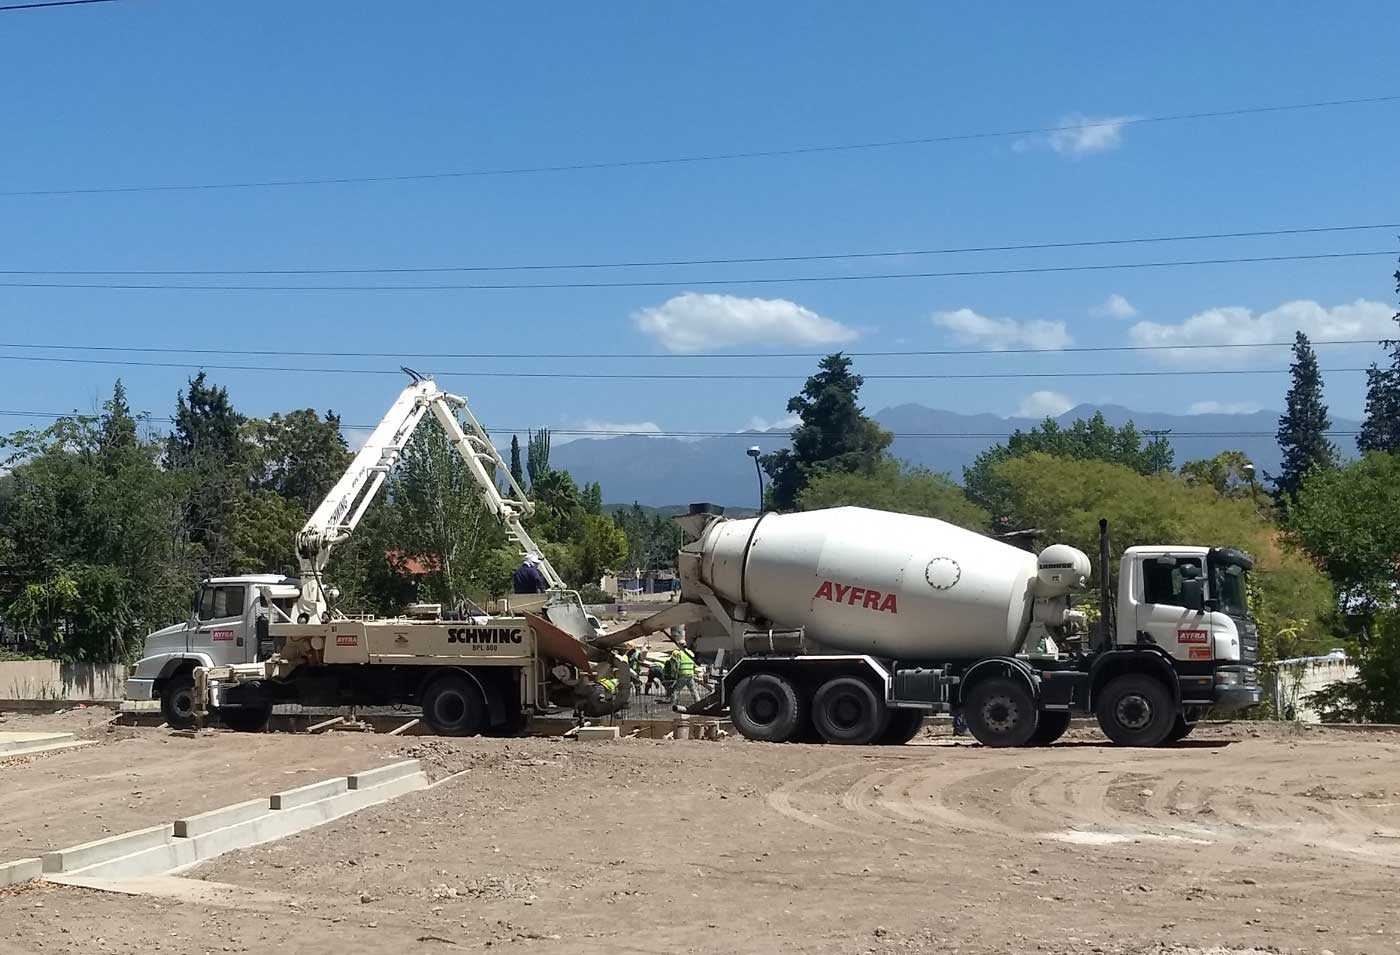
(754, 452)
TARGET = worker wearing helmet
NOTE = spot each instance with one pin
(682, 667)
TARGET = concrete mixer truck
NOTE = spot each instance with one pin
(850, 625)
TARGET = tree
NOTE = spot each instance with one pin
(1228, 473)
(1302, 430)
(440, 519)
(517, 473)
(299, 456)
(835, 433)
(602, 546)
(892, 486)
(591, 498)
(1091, 440)
(536, 455)
(118, 433)
(1381, 429)
(207, 448)
(1348, 521)
(1067, 497)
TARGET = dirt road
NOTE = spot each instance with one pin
(1244, 839)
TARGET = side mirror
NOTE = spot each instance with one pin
(1193, 594)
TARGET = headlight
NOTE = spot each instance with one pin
(1227, 678)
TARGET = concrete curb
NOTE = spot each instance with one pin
(192, 826)
(21, 870)
(377, 777)
(100, 850)
(311, 792)
(48, 748)
(9, 742)
(172, 847)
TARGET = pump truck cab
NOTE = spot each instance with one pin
(850, 625)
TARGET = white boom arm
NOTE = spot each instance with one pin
(344, 506)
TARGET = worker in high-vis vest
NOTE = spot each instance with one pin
(682, 665)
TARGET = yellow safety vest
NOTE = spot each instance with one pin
(685, 663)
(609, 684)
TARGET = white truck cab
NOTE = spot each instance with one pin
(221, 629)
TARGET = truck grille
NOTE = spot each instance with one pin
(1249, 641)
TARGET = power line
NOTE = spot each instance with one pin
(708, 157)
(635, 356)
(655, 376)
(737, 260)
(677, 283)
(616, 433)
(50, 3)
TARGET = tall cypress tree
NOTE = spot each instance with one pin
(1302, 430)
(517, 472)
(1381, 429)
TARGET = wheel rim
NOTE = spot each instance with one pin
(763, 708)
(451, 709)
(845, 712)
(1000, 714)
(1133, 712)
(183, 703)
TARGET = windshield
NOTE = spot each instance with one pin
(1228, 587)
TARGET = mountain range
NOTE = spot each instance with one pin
(661, 471)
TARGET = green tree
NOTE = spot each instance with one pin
(440, 519)
(556, 498)
(517, 472)
(591, 498)
(117, 437)
(1091, 440)
(1302, 430)
(1228, 473)
(298, 456)
(1348, 521)
(1381, 429)
(536, 455)
(1067, 497)
(602, 546)
(206, 446)
(835, 433)
(892, 486)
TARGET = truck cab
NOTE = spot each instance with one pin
(221, 629)
(1192, 603)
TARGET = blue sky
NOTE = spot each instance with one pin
(146, 92)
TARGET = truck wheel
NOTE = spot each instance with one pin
(846, 711)
(767, 707)
(177, 701)
(1136, 710)
(1050, 727)
(453, 706)
(903, 726)
(1000, 712)
(245, 719)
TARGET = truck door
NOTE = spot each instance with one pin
(1162, 615)
(221, 623)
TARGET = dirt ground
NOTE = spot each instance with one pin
(1245, 839)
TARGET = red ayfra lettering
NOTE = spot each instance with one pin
(857, 597)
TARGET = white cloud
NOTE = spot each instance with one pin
(764, 424)
(970, 328)
(1080, 136)
(1115, 306)
(696, 322)
(1043, 404)
(1224, 407)
(593, 424)
(1235, 325)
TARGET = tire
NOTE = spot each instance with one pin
(453, 705)
(177, 701)
(1180, 730)
(1049, 727)
(846, 711)
(1136, 710)
(767, 707)
(903, 726)
(1000, 712)
(245, 719)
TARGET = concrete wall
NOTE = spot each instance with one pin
(1298, 678)
(51, 680)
